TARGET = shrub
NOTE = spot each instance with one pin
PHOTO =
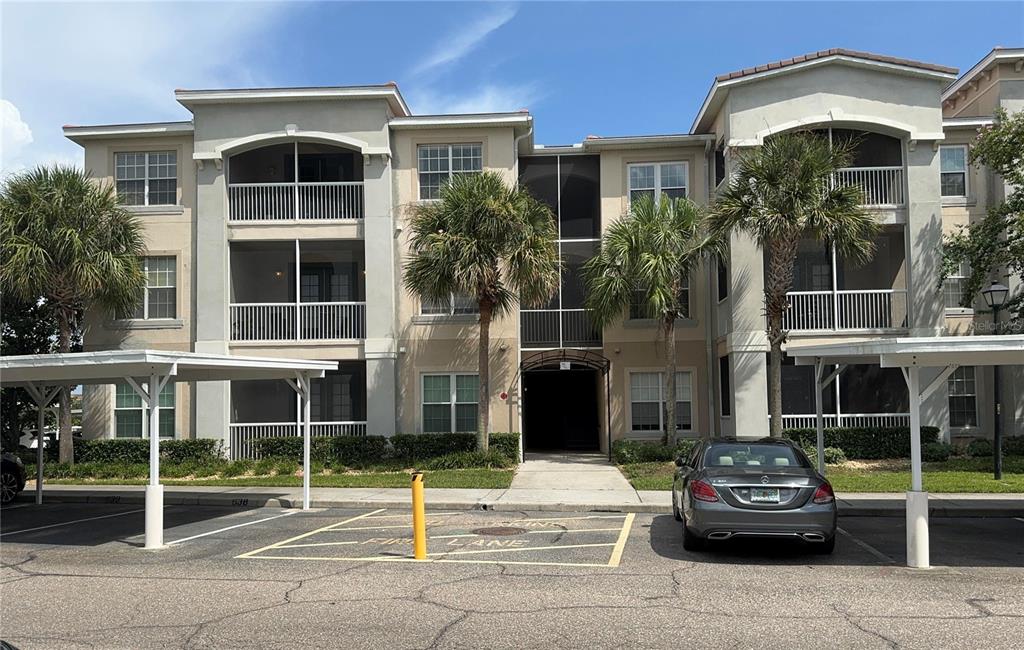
(865, 442)
(286, 466)
(265, 466)
(238, 468)
(136, 450)
(1013, 446)
(979, 448)
(356, 451)
(834, 456)
(505, 443)
(421, 446)
(936, 452)
(625, 452)
(470, 459)
(197, 450)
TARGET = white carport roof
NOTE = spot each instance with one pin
(113, 366)
(929, 351)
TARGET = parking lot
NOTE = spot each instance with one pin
(75, 575)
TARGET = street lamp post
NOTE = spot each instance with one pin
(995, 297)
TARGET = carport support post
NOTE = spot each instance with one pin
(154, 491)
(819, 419)
(306, 439)
(42, 400)
(917, 498)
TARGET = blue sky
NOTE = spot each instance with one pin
(605, 68)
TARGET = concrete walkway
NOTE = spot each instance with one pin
(572, 481)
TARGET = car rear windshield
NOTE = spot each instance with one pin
(753, 455)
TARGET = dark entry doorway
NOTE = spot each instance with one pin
(560, 409)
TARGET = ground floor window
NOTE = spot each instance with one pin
(963, 398)
(130, 415)
(450, 402)
(647, 401)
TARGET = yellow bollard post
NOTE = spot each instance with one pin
(419, 521)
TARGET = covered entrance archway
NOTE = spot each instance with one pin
(563, 394)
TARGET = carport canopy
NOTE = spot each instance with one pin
(147, 372)
(947, 353)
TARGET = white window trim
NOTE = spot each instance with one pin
(694, 415)
(145, 293)
(957, 311)
(450, 312)
(657, 178)
(452, 404)
(144, 433)
(976, 395)
(450, 171)
(145, 180)
(967, 176)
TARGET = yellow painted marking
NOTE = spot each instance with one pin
(576, 530)
(527, 548)
(428, 560)
(316, 544)
(310, 533)
(620, 545)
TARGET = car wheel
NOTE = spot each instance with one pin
(8, 487)
(691, 540)
(675, 509)
(826, 547)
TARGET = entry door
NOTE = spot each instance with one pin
(560, 410)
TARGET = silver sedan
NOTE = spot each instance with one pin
(730, 487)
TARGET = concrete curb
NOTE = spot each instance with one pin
(879, 508)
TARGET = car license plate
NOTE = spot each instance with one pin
(764, 495)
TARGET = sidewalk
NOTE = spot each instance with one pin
(565, 497)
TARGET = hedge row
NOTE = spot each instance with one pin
(865, 443)
(136, 450)
(361, 451)
(625, 452)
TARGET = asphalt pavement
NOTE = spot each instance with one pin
(75, 576)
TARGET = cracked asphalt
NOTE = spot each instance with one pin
(74, 576)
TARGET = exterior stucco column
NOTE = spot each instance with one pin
(747, 344)
(381, 350)
(212, 295)
(924, 256)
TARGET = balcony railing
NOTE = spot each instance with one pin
(861, 309)
(242, 435)
(832, 420)
(295, 201)
(882, 186)
(313, 321)
(554, 328)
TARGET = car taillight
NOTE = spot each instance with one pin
(702, 491)
(824, 494)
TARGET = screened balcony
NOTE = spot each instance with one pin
(297, 291)
(270, 409)
(862, 396)
(877, 167)
(297, 181)
(831, 293)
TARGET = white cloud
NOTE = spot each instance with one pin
(88, 63)
(15, 134)
(490, 98)
(454, 47)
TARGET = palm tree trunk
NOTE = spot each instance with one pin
(775, 375)
(484, 370)
(67, 449)
(670, 380)
(777, 283)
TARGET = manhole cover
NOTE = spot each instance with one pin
(499, 531)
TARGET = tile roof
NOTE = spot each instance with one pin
(837, 51)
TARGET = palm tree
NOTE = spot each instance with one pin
(487, 240)
(782, 192)
(645, 259)
(67, 241)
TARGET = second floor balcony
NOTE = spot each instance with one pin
(297, 181)
(876, 167)
(297, 291)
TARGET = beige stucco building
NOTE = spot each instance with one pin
(276, 226)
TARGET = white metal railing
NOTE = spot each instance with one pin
(295, 201)
(804, 421)
(882, 186)
(853, 309)
(307, 321)
(242, 435)
(554, 328)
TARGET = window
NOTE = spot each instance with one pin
(130, 418)
(457, 304)
(437, 162)
(725, 392)
(450, 403)
(147, 177)
(953, 163)
(638, 309)
(160, 299)
(953, 287)
(963, 398)
(719, 165)
(723, 280)
(647, 404)
(657, 180)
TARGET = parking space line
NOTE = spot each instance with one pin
(221, 530)
(68, 523)
(620, 544)
(867, 547)
(310, 533)
(429, 560)
(316, 544)
(524, 548)
(409, 515)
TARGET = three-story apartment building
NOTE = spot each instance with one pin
(275, 225)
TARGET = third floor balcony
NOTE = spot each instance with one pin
(296, 181)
